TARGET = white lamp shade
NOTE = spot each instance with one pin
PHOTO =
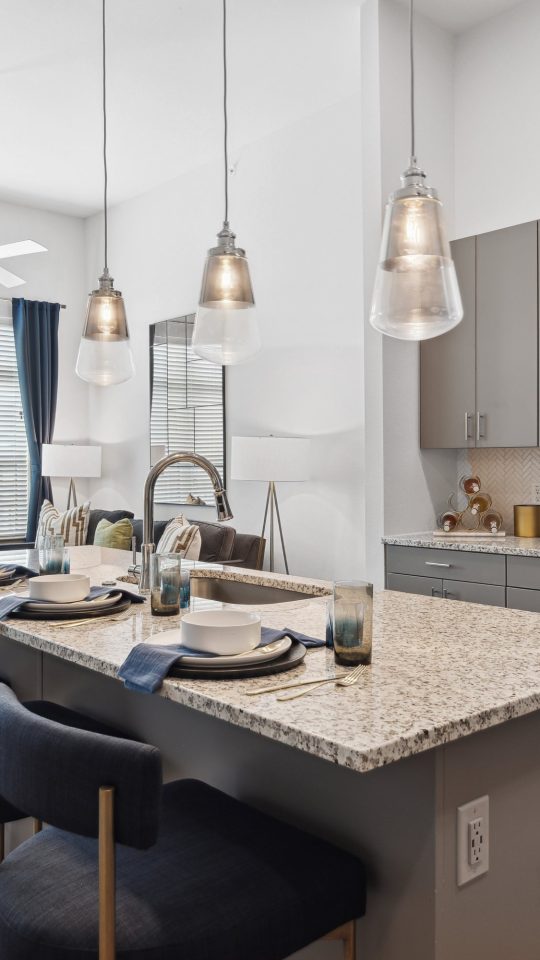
(270, 458)
(70, 460)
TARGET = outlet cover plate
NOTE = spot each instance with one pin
(466, 815)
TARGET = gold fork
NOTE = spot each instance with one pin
(88, 621)
(347, 680)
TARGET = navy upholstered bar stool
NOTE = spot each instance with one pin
(70, 718)
(133, 869)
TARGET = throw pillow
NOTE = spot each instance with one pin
(183, 537)
(117, 535)
(72, 525)
(111, 515)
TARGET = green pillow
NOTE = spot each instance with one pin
(117, 535)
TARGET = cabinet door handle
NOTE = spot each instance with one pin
(435, 592)
(447, 595)
(480, 426)
(433, 563)
(468, 431)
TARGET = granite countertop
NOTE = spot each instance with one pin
(515, 546)
(441, 670)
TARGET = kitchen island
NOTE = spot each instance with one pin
(379, 768)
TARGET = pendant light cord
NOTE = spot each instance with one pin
(225, 117)
(411, 55)
(104, 137)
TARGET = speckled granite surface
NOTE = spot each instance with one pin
(515, 546)
(441, 670)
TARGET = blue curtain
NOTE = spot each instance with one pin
(35, 326)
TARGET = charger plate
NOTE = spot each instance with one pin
(72, 606)
(288, 661)
(91, 612)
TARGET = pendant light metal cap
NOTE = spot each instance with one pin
(106, 313)
(226, 281)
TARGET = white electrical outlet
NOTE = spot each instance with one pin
(472, 840)
(535, 493)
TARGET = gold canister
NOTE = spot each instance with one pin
(527, 520)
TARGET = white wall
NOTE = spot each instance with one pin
(56, 276)
(497, 134)
(416, 483)
(296, 206)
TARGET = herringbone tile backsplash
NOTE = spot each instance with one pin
(507, 474)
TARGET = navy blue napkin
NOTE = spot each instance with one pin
(147, 664)
(18, 570)
(12, 602)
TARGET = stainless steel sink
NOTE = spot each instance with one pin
(231, 591)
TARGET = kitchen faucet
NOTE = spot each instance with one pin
(222, 504)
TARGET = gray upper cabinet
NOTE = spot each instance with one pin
(447, 367)
(479, 383)
(507, 337)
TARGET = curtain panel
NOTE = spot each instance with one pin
(35, 328)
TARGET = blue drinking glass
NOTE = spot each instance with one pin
(352, 622)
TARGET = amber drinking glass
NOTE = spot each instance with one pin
(352, 622)
(165, 583)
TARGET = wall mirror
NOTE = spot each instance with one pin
(187, 412)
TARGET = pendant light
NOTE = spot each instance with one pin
(226, 330)
(105, 354)
(416, 294)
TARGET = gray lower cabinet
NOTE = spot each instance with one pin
(447, 564)
(425, 586)
(491, 594)
(520, 599)
(494, 596)
(493, 579)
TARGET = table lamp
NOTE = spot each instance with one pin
(271, 459)
(70, 460)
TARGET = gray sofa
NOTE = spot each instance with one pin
(220, 543)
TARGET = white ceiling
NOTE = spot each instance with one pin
(460, 15)
(164, 88)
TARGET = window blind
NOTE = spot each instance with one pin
(13, 446)
(187, 411)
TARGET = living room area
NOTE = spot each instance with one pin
(165, 200)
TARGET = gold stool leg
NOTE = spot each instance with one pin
(346, 933)
(107, 894)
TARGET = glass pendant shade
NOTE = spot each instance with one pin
(226, 335)
(105, 355)
(226, 329)
(416, 294)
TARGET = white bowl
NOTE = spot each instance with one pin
(59, 587)
(221, 631)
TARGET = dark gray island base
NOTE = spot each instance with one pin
(379, 769)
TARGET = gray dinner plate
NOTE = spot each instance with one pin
(293, 658)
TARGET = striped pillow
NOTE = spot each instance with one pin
(183, 537)
(72, 525)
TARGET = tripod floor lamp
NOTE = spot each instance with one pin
(270, 459)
